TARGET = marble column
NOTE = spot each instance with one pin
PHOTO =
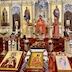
(50, 27)
(62, 18)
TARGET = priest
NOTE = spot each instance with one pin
(40, 25)
(56, 29)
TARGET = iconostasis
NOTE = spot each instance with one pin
(15, 11)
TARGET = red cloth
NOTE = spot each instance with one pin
(52, 67)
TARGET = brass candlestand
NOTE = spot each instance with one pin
(3, 34)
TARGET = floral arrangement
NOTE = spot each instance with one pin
(38, 44)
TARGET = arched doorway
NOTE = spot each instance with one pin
(16, 16)
(68, 16)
